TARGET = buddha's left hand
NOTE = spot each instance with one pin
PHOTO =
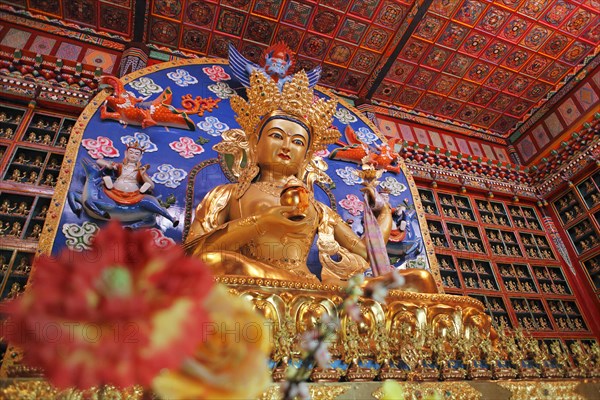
(374, 199)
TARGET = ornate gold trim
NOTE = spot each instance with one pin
(437, 298)
(317, 392)
(442, 390)
(72, 150)
(41, 389)
(542, 390)
(327, 392)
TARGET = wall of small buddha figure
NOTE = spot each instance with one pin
(32, 147)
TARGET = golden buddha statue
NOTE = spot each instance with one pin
(247, 228)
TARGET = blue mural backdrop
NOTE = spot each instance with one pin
(184, 166)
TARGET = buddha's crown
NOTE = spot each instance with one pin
(296, 99)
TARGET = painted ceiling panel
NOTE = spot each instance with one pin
(347, 38)
(498, 59)
(483, 65)
(114, 17)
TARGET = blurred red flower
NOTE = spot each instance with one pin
(115, 314)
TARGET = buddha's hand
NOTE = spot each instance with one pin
(374, 199)
(277, 219)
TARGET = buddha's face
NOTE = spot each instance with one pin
(282, 144)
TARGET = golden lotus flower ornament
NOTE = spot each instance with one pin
(369, 175)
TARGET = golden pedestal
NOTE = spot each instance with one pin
(400, 339)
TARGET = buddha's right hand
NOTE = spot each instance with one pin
(276, 218)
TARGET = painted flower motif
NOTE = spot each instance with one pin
(366, 136)
(224, 366)
(393, 186)
(379, 292)
(186, 147)
(169, 176)
(344, 116)
(182, 78)
(160, 240)
(146, 86)
(352, 309)
(212, 126)
(143, 139)
(295, 390)
(392, 390)
(397, 279)
(216, 73)
(79, 237)
(119, 313)
(323, 153)
(348, 175)
(100, 147)
(352, 204)
(311, 341)
(221, 90)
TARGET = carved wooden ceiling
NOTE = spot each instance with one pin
(483, 65)
(111, 16)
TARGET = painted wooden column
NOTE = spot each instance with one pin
(135, 57)
(514, 156)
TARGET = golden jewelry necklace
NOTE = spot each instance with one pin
(269, 187)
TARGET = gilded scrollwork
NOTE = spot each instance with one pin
(454, 390)
(410, 335)
(40, 389)
(541, 389)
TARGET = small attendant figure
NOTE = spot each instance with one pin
(33, 177)
(3, 264)
(41, 124)
(32, 138)
(37, 162)
(546, 288)
(15, 291)
(43, 211)
(21, 159)
(23, 267)
(36, 232)
(132, 179)
(22, 209)
(53, 164)
(47, 140)
(5, 207)
(49, 181)
(16, 229)
(399, 217)
(16, 175)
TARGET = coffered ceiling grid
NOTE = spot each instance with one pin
(112, 16)
(486, 64)
(480, 65)
(347, 38)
